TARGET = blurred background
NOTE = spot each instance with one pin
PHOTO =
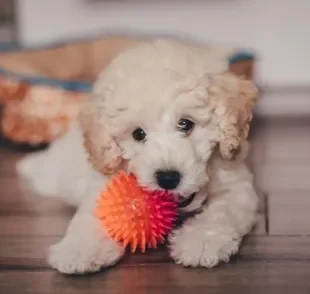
(278, 31)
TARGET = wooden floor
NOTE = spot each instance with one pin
(274, 259)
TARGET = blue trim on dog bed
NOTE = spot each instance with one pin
(66, 85)
(43, 81)
(241, 56)
(8, 47)
(74, 85)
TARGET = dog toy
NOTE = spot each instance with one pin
(135, 216)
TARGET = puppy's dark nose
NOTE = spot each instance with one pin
(168, 179)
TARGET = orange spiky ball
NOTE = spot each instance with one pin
(134, 216)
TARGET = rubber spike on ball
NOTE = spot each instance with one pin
(134, 216)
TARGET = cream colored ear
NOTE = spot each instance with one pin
(233, 99)
(104, 153)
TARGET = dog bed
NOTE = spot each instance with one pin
(42, 89)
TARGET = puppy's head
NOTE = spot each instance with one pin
(155, 113)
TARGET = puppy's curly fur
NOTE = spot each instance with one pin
(152, 86)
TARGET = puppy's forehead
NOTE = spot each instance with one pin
(156, 99)
(152, 88)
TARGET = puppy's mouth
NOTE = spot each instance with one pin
(185, 202)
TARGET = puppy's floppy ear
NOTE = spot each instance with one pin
(104, 152)
(232, 99)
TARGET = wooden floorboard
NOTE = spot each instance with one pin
(17, 199)
(289, 212)
(253, 277)
(274, 259)
(30, 251)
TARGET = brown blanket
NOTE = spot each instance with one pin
(80, 61)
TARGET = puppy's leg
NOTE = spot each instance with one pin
(215, 234)
(86, 246)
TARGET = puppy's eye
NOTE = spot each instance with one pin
(185, 125)
(139, 135)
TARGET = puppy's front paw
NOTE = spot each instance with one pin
(206, 249)
(72, 256)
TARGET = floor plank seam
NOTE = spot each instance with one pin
(24, 268)
(235, 261)
(266, 211)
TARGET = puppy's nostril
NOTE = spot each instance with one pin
(168, 180)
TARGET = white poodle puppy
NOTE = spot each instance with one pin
(167, 112)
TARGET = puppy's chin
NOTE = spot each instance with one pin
(182, 197)
(183, 202)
